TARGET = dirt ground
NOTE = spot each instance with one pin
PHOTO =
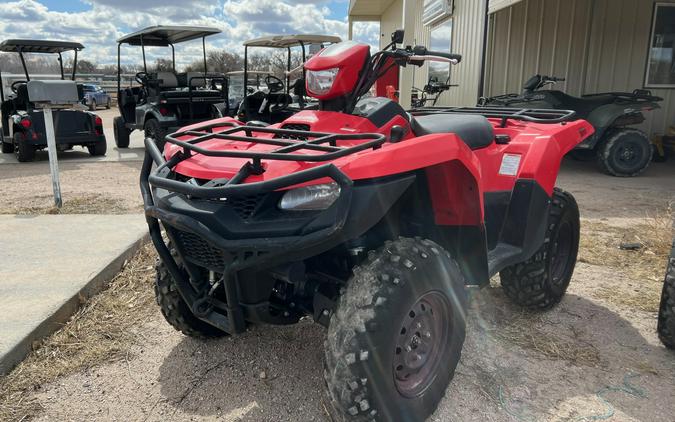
(594, 357)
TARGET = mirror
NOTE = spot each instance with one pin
(397, 36)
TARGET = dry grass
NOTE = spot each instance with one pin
(600, 246)
(102, 330)
(84, 204)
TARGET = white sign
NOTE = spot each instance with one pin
(510, 165)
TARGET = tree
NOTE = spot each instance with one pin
(161, 65)
(85, 66)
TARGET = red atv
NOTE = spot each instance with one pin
(367, 218)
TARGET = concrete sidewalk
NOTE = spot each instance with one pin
(46, 262)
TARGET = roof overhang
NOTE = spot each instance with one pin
(368, 9)
(287, 41)
(39, 46)
(497, 5)
(162, 36)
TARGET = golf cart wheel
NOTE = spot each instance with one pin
(7, 147)
(175, 310)
(154, 131)
(121, 133)
(625, 153)
(92, 105)
(541, 281)
(97, 149)
(666, 324)
(396, 336)
(23, 150)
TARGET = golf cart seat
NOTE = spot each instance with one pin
(195, 79)
(21, 101)
(475, 130)
(166, 80)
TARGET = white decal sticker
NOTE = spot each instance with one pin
(510, 165)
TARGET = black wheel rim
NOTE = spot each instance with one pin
(629, 154)
(561, 253)
(421, 343)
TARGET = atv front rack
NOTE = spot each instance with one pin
(534, 115)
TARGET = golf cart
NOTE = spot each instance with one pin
(23, 125)
(237, 89)
(167, 100)
(620, 150)
(280, 99)
(666, 319)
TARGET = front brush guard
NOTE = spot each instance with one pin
(278, 250)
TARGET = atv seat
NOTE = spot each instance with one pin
(476, 131)
(584, 105)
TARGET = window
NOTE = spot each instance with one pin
(435, 10)
(661, 60)
(441, 40)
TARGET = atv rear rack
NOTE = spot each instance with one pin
(637, 96)
(534, 115)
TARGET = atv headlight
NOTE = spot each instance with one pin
(310, 198)
(319, 82)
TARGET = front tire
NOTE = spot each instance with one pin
(397, 333)
(154, 131)
(175, 310)
(541, 281)
(121, 133)
(24, 151)
(666, 324)
(625, 153)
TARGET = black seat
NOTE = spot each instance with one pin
(475, 130)
(582, 105)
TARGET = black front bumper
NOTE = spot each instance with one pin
(247, 231)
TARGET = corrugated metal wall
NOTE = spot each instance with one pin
(467, 36)
(598, 45)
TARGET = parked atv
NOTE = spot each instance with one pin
(620, 150)
(430, 93)
(666, 324)
(368, 219)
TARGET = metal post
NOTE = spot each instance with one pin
(74, 65)
(204, 51)
(61, 65)
(51, 147)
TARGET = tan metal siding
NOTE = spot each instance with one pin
(467, 40)
(598, 45)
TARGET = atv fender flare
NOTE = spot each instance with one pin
(447, 161)
(603, 118)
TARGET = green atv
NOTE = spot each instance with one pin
(620, 149)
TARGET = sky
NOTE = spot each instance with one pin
(98, 23)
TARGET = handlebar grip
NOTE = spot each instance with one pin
(422, 51)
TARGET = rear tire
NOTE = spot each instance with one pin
(175, 310)
(7, 147)
(397, 333)
(154, 131)
(541, 281)
(98, 149)
(121, 133)
(24, 151)
(666, 324)
(625, 152)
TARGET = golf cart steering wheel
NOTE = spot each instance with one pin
(141, 77)
(274, 84)
(15, 85)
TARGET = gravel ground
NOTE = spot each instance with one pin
(591, 358)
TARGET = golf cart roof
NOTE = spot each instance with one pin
(162, 36)
(285, 41)
(39, 46)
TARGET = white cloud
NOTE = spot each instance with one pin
(103, 21)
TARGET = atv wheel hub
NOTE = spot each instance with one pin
(419, 344)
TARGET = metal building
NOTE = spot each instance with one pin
(598, 45)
